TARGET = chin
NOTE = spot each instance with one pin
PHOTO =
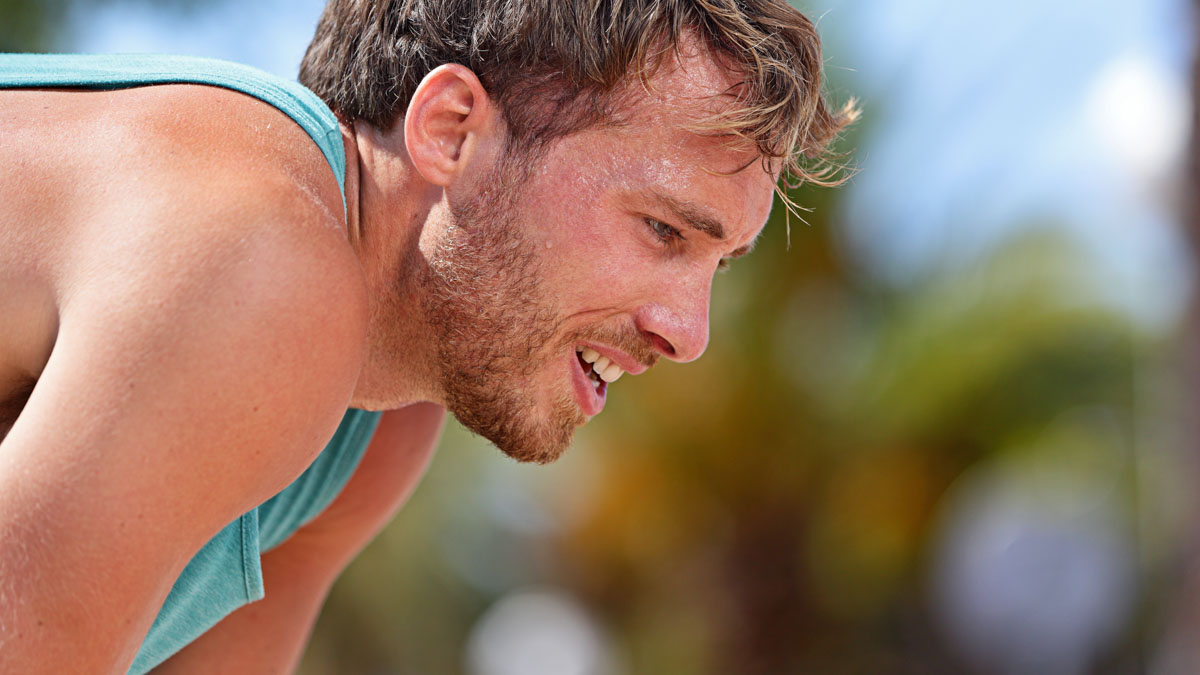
(544, 453)
(523, 435)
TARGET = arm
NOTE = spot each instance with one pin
(158, 419)
(269, 636)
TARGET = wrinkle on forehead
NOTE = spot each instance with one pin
(655, 143)
(671, 160)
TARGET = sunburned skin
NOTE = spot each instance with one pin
(172, 262)
(621, 227)
(610, 241)
(195, 317)
(34, 196)
(58, 169)
(602, 201)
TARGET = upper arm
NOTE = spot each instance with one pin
(190, 380)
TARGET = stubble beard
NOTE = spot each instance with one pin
(495, 326)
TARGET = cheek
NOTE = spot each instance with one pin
(602, 278)
(591, 259)
(589, 265)
(560, 205)
(596, 258)
(583, 242)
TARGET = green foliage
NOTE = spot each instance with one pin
(44, 25)
(30, 26)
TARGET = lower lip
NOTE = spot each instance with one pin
(591, 402)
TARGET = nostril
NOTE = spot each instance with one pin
(661, 344)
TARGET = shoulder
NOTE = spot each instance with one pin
(218, 184)
(191, 216)
(242, 260)
(225, 147)
(240, 341)
(217, 231)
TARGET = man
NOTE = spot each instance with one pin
(535, 197)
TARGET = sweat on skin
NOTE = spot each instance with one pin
(192, 290)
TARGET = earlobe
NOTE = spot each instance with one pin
(446, 117)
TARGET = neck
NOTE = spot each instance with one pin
(387, 207)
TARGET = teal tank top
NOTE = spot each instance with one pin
(227, 572)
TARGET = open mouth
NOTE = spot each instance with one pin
(596, 372)
(599, 369)
(589, 371)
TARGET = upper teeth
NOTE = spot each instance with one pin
(601, 365)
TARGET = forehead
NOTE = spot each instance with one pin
(655, 146)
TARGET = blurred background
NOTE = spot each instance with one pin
(943, 425)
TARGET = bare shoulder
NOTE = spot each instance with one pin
(231, 140)
(69, 148)
(182, 198)
(224, 214)
(208, 186)
(196, 245)
(211, 319)
(104, 175)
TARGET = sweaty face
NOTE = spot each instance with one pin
(493, 321)
(557, 276)
(497, 325)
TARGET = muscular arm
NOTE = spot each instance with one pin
(190, 380)
(269, 636)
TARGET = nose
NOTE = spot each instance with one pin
(676, 320)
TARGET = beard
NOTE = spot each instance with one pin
(495, 325)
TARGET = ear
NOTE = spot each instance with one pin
(448, 117)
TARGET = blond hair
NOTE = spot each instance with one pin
(559, 66)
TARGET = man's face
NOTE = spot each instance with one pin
(605, 245)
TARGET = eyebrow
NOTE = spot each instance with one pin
(691, 214)
(695, 217)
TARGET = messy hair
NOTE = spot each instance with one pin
(555, 67)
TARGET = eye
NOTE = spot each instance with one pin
(663, 231)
